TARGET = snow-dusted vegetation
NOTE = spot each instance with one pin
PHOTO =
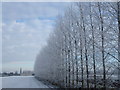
(83, 50)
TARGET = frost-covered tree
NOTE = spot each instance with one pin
(83, 50)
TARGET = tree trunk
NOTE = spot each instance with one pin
(102, 37)
(81, 57)
(86, 56)
(93, 46)
(76, 63)
(118, 4)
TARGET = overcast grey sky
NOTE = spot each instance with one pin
(0, 36)
(26, 28)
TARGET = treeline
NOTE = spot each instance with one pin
(83, 50)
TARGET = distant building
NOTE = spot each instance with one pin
(27, 73)
(0, 74)
(20, 71)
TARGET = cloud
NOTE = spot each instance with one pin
(22, 11)
(16, 65)
(25, 37)
(26, 28)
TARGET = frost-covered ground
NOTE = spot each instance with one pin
(21, 82)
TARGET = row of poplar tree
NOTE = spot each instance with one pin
(83, 50)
